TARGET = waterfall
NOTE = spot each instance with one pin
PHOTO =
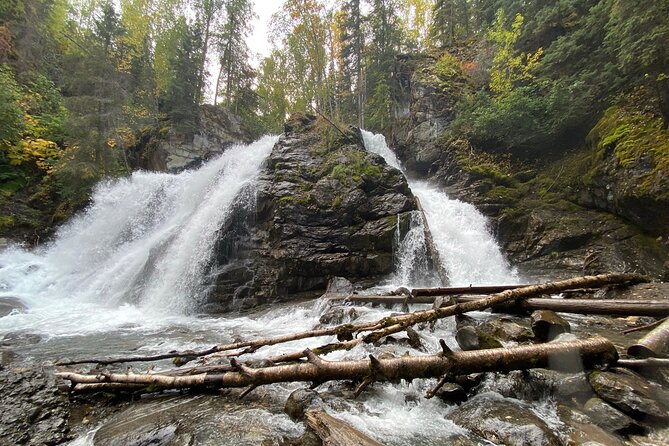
(146, 240)
(467, 250)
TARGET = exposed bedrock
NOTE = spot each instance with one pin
(324, 207)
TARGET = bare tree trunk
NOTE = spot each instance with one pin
(390, 325)
(596, 350)
(653, 344)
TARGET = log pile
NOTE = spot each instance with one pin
(317, 370)
(222, 366)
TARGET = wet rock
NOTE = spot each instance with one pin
(415, 340)
(9, 304)
(187, 420)
(467, 338)
(33, 408)
(7, 357)
(338, 286)
(631, 393)
(581, 431)
(452, 393)
(338, 315)
(300, 401)
(547, 325)
(18, 339)
(503, 421)
(309, 438)
(508, 330)
(324, 208)
(534, 384)
(608, 417)
(164, 149)
(470, 338)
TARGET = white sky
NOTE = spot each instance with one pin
(258, 41)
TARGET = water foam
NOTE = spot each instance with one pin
(467, 250)
(139, 253)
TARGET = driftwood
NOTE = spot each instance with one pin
(619, 307)
(644, 327)
(386, 326)
(450, 291)
(396, 324)
(643, 363)
(595, 350)
(335, 432)
(653, 344)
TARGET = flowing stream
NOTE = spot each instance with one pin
(467, 250)
(126, 276)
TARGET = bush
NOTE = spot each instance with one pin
(527, 120)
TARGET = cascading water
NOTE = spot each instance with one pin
(121, 277)
(143, 246)
(467, 250)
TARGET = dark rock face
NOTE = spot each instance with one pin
(553, 220)
(503, 422)
(33, 409)
(165, 150)
(325, 208)
(631, 393)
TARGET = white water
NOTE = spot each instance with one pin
(467, 250)
(121, 278)
(138, 254)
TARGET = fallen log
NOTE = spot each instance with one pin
(335, 432)
(595, 350)
(396, 324)
(450, 291)
(653, 344)
(389, 325)
(644, 327)
(643, 363)
(618, 307)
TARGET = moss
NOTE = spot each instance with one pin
(633, 137)
(7, 222)
(492, 172)
(287, 199)
(349, 167)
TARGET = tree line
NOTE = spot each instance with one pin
(81, 79)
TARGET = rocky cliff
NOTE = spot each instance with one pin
(602, 207)
(166, 150)
(325, 207)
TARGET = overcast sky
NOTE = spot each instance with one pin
(258, 40)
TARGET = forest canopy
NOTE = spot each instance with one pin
(80, 80)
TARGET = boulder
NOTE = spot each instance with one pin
(300, 401)
(547, 325)
(631, 393)
(581, 431)
(608, 417)
(325, 208)
(201, 419)
(503, 421)
(9, 304)
(34, 408)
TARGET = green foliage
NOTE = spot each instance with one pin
(509, 66)
(11, 114)
(527, 119)
(352, 169)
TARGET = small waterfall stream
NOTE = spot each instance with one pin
(122, 277)
(467, 249)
